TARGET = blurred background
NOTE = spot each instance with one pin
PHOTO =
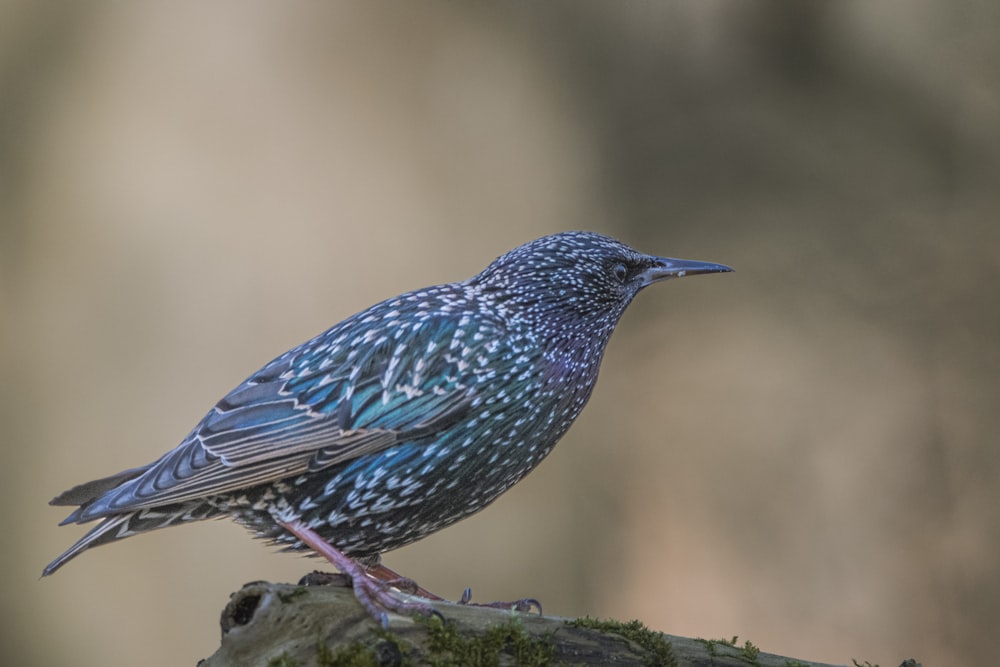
(802, 453)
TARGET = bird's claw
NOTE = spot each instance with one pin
(524, 605)
(377, 597)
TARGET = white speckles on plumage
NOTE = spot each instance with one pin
(399, 420)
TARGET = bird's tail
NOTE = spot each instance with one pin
(120, 526)
(111, 529)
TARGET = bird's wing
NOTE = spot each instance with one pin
(86, 492)
(328, 401)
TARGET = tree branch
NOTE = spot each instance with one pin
(281, 625)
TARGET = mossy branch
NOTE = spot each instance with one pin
(281, 625)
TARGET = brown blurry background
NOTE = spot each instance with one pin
(803, 453)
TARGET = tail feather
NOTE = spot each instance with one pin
(120, 526)
(107, 531)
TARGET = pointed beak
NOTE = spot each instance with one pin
(664, 268)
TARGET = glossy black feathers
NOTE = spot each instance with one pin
(403, 418)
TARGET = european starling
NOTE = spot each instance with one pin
(400, 420)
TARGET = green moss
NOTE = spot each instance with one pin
(710, 644)
(283, 660)
(387, 651)
(658, 650)
(355, 654)
(748, 653)
(447, 648)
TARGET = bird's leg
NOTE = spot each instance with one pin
(374, 594)
(523, 605)
(394, 579)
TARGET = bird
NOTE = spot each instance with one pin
(397, 422)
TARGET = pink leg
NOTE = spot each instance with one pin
(373, 594)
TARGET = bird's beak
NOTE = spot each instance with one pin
(664, 268)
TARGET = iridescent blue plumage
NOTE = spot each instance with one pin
(403, 418)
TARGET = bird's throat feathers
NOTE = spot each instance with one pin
(572, 362)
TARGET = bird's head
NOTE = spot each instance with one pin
(577, 283)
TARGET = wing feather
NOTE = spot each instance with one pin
(313, 407)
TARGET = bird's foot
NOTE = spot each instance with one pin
(405, 584)
(374, 594)
(379, 596)
(523, 605)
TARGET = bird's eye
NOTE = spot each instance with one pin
(620, 272)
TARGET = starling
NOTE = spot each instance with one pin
(400, 420)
